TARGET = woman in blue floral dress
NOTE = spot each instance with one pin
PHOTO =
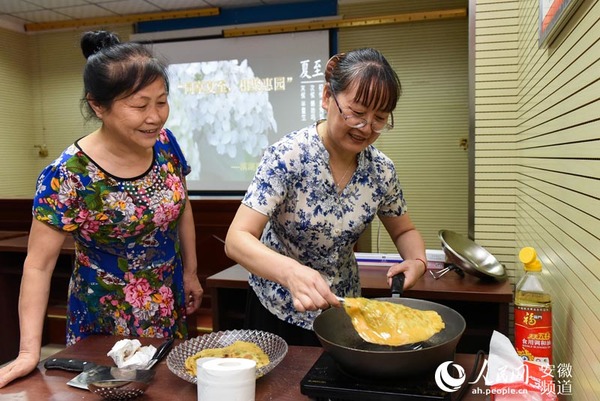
(120, 192)
(313, 195)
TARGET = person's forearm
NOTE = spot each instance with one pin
(309, 290)
(257, 258)
(43, 248)
(33, 302)
(410, 245)
(243, 245)
(187, 237)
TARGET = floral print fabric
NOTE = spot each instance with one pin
(310, 222)
(128, 273)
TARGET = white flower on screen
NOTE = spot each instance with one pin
(216, 103)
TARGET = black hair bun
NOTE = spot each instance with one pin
(332, 64)
(94, 41)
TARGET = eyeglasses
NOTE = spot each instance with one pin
(359, 122)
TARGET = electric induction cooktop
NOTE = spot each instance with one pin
(325, 381)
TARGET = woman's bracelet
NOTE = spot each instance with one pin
(424, 264)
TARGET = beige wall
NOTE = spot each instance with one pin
(41, 81)
(432, 116)
(16, 115)
(537, 166)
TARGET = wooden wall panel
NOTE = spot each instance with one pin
(17, 154)
(42, 83)
(555, 164)
(432, 113)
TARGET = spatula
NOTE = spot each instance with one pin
(397, 287)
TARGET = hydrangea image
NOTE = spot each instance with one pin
(213, 106)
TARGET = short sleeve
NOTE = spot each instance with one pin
(269, 185)
(393, 203)
(176, 150)
(56, 192)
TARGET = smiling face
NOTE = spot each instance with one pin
(342, 112)
(136, 120)
(360, 95)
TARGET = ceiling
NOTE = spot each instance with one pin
(14, 14)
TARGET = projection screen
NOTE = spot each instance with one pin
(232, 97)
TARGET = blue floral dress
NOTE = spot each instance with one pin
(310, 222)
(128, 273)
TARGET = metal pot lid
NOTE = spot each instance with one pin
(470, 257)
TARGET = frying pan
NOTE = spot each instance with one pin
(470, 257)
(359, 358)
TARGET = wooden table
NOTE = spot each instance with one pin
(483, 304)
(282, 383)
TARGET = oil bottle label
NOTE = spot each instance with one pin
(533, 333)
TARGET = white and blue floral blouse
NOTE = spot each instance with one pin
(310, 222)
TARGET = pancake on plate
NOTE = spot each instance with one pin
(239, 349)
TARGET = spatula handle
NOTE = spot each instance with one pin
(160, 353)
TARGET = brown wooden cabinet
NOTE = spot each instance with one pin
(212, 218)
(12, 255)
(484, 305)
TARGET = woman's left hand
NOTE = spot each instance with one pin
(413, 269)
(193, 293)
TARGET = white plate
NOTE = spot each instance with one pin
(273, 345)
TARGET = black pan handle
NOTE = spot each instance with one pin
(398, 285)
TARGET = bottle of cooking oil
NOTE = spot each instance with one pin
(533, 312)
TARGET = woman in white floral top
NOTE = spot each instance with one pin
(120, 192)
(314, 193)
